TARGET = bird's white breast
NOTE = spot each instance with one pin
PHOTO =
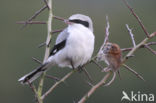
(79, 47)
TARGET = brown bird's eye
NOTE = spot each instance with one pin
(113, 48)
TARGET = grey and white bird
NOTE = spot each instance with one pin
(74, 47)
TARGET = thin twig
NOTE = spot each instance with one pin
(56, 31)
(140, 45)
(137, 18)
(41, 45)
(34, 91)
(45, 1)
(127, 57)
(53, 32)
(58, 18)
(100, 55)
(52, 77)
(113, 78)
(94, 61)
(150, 49)
(57, 83)
(131, 35)
(31, 22)
(90, 84)
(36, 60)
(87, 74)
(134, 72)
(126, 49)
(35, 15)
(95, 87)
(107, 31)
(153, 34)
(148, 44)
(151, 43)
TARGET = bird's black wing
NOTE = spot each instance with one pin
(57, 47)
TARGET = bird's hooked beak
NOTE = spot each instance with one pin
(68, 22)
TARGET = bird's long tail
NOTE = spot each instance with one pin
(30, 77)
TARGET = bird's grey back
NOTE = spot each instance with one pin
(62, 36)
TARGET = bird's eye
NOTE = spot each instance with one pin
(113, 48)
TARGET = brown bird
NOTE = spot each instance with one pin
(111, 54)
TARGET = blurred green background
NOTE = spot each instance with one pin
(19, 45)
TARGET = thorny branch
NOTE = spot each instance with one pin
(95, 87)
(36, 60)
(142, 44)
(138, 19)
(34, 91)
(45, 1)
(57, 83)
(31, 22)
(35, 15)
(134, 72)
(147, 44)
(47, 48)
(130, 53)
(150, 49)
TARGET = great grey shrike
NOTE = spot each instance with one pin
(73, 48)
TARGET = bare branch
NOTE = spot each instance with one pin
(35, 15)
(87, 74)
(31, 22)
(90, 84)
(100, 55)
(41, 45)
(134, 72)
(111, 81)
(52, 77)
(62, 80)
(150, 49)
(47, 48)
(53, 32)
(126, 49)
(107, 31)
(151, 43)
(131, 35)
(94, 61)
(95, 87)
(57, 83)
(140, 45)
(56, 31)
(34, 91)
(153, 35)
(45, 1)
(36, 60)
(58, 18)
(137, 18)
(148, 44)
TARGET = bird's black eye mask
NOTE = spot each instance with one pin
(78, 21)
